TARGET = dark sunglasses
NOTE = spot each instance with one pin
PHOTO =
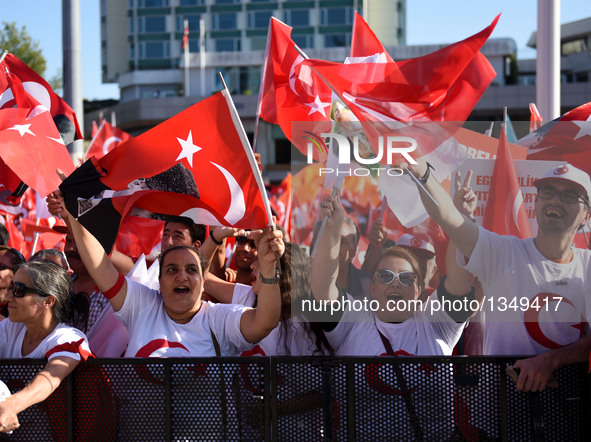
(386, 277)
(19, 290)
(242, 240)
(5, 267)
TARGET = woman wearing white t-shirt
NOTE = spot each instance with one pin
(393, 322)
(38, 306)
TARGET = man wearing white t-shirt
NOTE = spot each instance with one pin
(537, 285)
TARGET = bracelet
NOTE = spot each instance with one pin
(424, 178)
(270, 280)
(219, 243)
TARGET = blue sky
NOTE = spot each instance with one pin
(428, 21)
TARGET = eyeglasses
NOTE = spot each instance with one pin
(19, 290)
(386, 277)
(566, 196)
(242, 240)
(5, 267)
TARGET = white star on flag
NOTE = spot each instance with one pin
(317, 106)
(585, 127)
(22, 129)
(188, 149)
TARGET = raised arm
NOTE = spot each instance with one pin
(98, 264)
(39, 389)
(377, 237)
(460, 230)
(325, 265)
(258, 322)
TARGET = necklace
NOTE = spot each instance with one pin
(182, 320)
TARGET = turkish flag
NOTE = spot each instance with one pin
(282, 201)
(106, 138)
(175, 169)
(505, 213)
(364, 42)
(291, 92)
(566, 138)
(63, 115)
(32, 148)
(441, 86)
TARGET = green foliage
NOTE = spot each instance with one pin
(19, 42)
(57, 82)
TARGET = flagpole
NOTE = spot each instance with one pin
(4, 54)
(250, 155)
(186, 50)
(410, 174)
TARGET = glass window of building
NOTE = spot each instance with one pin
(191, 2)
(223, 21)
(148, 25)
(193, 22)
(154, 49)
(259, 19)
(152, 3)
(336, 16)
(303, 41)
(227, 44)
(297, 17)
(131, 21)
(337, 40)
(225, 2)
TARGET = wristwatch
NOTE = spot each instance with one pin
(270, 280)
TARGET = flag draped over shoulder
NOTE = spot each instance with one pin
(31, 147)
(106, 138)
(63, 115)
(292, 93)
(505, 212)
(566, 138)
(197, 164)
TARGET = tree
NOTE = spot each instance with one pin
(19, 42)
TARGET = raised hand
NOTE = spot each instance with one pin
(465, 199)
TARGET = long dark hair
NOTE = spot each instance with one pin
(295, 286)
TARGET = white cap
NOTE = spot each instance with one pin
(570, 173)
(416, 242)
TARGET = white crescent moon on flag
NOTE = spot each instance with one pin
(39, 92)
(5, 97)
(108, 142)
(292, 75)
(237, 208)
(516, 205)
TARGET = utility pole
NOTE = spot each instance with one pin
(72, 68)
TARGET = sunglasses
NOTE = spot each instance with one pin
(566, 196)
(386, 277)
(242, 240)
(19, 290)
(5, 267)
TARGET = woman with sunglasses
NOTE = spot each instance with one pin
(38, 307)
(393, 322)
(9, 259)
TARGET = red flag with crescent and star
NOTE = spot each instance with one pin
(106, 138)
(566, 138)
(291, 92)
(31, 149)
(197, 164)
(63, 115)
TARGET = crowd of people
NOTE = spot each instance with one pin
(67, 307)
